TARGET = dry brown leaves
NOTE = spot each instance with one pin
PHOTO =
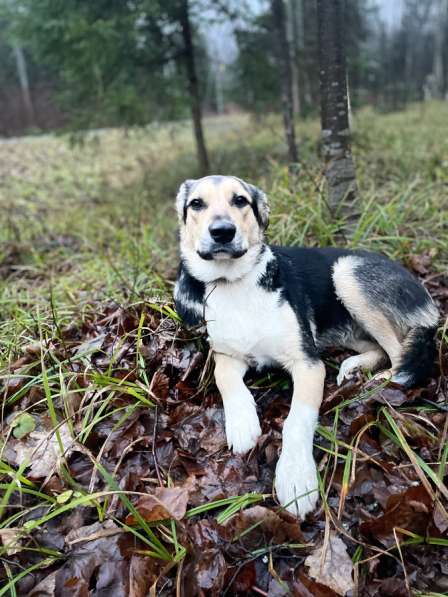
(174, 457)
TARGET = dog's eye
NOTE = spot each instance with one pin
(240, 201)
(197, 204)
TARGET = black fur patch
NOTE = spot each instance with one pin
(418, 359)
(270, 280)
(389, 287)
(255, 195)
(304, 277)
(254, 206)
(189, 290)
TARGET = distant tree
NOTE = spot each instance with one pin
(416, 49)
(339, 164)
(8, 13)
(121, 63)
(22, 75)
(440, 47)
(193, 86)
(310, 55)
(255, 85)
(295, 37)
(284, 62)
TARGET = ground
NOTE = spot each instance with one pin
(115, 478)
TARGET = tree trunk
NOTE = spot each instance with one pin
(439, 42)
(293, 25)
(310, 52)
(284, 62)
(193, 88)
(339, 166)
(301, 62)
(22, 74)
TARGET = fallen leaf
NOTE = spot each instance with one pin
(266, 526)
(94, 567)
(41, 449)
(166, 502)
(206, 573)
(336, 570)
(303, 586)
(160, 385)
(410, 510)
(46, 587)
(440, 520)
(245, 579)
(13, 384)
(10, 538)
(143, 573)
(87, 348)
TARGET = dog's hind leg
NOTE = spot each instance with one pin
(370, 319)
(295, 477)
(370, 360)
(241, 419)
(394, 308)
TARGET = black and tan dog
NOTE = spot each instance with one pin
(273, 306)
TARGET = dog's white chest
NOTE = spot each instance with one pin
(247, 322)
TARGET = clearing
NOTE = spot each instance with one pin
(114, 474)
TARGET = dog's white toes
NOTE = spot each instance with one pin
(242, 426)
(383, 375)
(296, 484)
(347, 369)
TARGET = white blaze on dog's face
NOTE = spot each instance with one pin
(222, 219)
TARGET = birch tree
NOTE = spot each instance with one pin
(22, 75)
(338, 160)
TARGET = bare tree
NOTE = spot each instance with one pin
(339, 165)
(439, 44)
(193, 87)
(284, 62)
(293, 34)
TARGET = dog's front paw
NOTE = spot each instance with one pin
(242, 425)
(296, 483)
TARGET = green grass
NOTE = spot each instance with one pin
(94, 221)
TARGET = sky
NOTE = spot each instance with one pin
(222, 46)
(391, 10)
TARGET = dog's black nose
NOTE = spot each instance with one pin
(222, 231)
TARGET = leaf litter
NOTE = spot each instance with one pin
(135, 493)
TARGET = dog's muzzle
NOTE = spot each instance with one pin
(223, 244)
(222, 231)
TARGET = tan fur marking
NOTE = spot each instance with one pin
(308, 382)
(377, 324)
(229, 373)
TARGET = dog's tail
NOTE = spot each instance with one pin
(417, 360)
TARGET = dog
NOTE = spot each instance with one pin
(267, 306)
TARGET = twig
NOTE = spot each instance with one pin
(154, 452)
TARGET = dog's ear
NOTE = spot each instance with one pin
(260, 206)
(181, 199)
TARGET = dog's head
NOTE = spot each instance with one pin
(222, 220)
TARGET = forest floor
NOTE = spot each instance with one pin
(114, 474)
